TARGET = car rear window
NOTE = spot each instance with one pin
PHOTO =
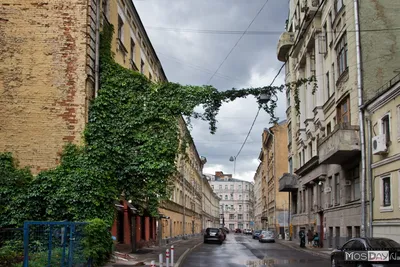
(212, 230)
(383, 243)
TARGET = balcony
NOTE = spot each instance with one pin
(288, 183)
(285, 42)
(340, 146)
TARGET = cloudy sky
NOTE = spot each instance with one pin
(190, 54)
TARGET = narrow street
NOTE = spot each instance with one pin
(242, 250)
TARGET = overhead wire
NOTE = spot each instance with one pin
(237, 42)
(258, 112)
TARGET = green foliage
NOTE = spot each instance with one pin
(13, 183)
(9, 256)
(97, 241)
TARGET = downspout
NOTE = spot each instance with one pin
(369, 175)
(97, 50)
(361, 117)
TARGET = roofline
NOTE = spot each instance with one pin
(141, 26)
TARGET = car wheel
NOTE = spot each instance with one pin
(333, 262)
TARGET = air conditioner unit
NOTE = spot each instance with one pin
(347, 183)
(327, 189)
(379, 144)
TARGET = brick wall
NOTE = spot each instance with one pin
(43, 81)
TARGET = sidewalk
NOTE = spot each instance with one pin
(321, 252)
(143, 257)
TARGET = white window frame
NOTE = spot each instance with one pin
(388, 208)
(381, 130)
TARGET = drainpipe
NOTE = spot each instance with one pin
(273, 140)
(361, 117)
(97, 50)
(369, 175)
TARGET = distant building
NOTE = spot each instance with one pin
(237, 200)
(258, 197)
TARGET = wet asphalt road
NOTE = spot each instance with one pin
(241, 250)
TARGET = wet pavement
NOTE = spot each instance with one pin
(242, 250)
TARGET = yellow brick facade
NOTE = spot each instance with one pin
(44, 85)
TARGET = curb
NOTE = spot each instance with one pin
(183, 256)
(322, 255)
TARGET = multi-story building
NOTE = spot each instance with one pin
(273, 163)
(48, 75)
(237, 200)
(323, 40)
(258, 198)
(383, 154)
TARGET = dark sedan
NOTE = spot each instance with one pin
(256, 234)
(214, 234)
(357, 252)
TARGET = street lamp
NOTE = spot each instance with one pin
(233, 158)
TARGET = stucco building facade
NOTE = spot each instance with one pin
(383, 154)
(273, 164)
(237, 200)
(325, 142)
(258, 198)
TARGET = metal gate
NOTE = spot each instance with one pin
(54, 244)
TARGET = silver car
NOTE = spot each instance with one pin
(266, 236)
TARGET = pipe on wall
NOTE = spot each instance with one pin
(369, 176)
(361, 118)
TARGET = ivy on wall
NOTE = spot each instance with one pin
(132, 142)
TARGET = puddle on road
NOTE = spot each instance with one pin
(272, 262)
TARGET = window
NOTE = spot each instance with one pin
(240, 187)
(142, 68)
(232, 207)
(329, 194)
(231, 186)
(326, 38)
(398, 122)
(385, 123)
(387, 202)
(343, 111)
(341, 53)
(333, 77)
(240, 207)
(247, 196)
(212, 187)
(226, 187)
(231, 196)
(231, 226)
(289, 133)
(327, 84)
(226, 197)
(328, 128)
(220, 187)
(337, 189)
(240, 217)
(106, 8)
(338, 5)
(330, 23)
(247, 187)
(356, 187)
(240, 197)
(290, 166)
(231, 216)
(226, 207)
(120, 29)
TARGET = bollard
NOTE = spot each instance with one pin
(167, 258)
(152, 264)
(160, 257)
(172, 255)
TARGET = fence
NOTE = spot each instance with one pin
(54, 244)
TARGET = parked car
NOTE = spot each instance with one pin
(213, 234)
(256, 234)
(226, 230)
(238, 231)
(266, 236)
(370, 243)
(247, 231)
(223, 232)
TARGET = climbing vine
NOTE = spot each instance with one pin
(131, 146)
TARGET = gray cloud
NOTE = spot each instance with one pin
(191, 58)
